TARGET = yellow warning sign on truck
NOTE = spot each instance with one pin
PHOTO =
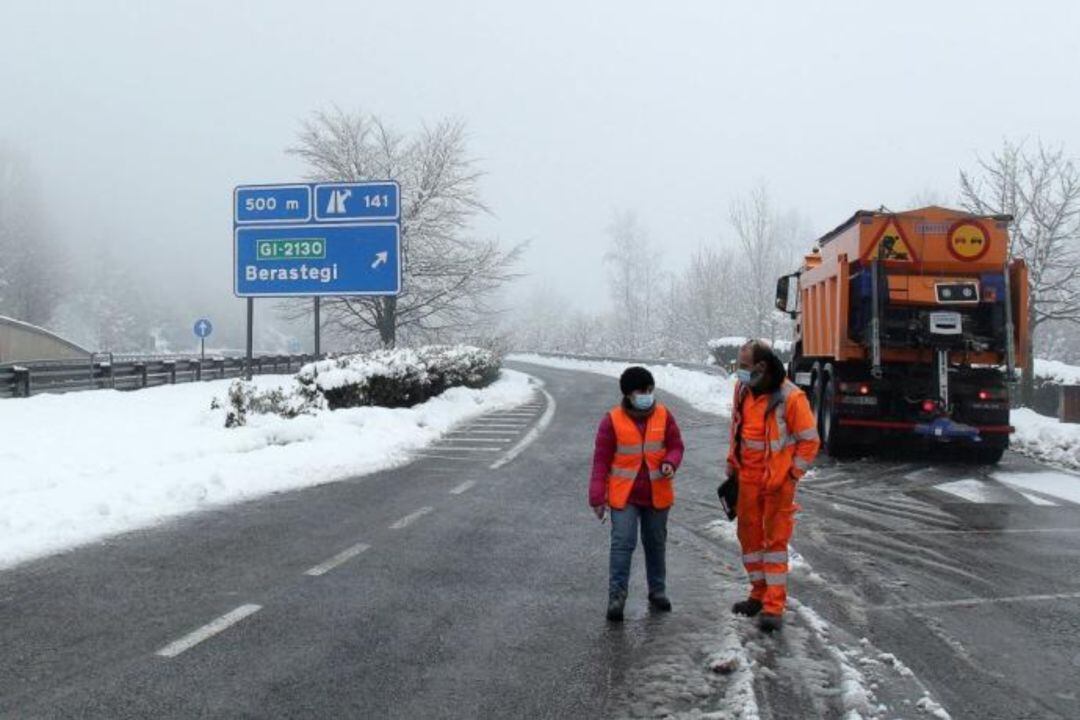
(891, 245)
(968, 240)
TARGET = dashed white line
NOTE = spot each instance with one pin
(496, 441)
(341, 557)
(463, 487)
(496, 433)
(208, 631)
(411, 518)
(979, 601)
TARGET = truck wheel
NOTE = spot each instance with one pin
(987, 454)
(831, 434)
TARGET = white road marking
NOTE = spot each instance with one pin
(208, 631)
(497, 441)
(979, 601)
(411, 518)
(1036, 500)
(532, 435)
(463, 487)
(486, 425)
(496, 433)
(1001, 531)
(465, 448)
(341, 557)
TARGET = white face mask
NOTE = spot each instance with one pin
(642, 401)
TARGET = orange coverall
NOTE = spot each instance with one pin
(774, 440)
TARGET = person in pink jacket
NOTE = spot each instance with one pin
(640, 511)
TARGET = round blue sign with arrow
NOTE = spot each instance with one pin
(203, 328)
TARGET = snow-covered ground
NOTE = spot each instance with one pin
(1046, 439)
(82, 466)
(705, 391)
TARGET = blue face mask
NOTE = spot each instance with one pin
(642, 401)
(743, 375)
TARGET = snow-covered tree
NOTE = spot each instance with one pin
(449, 275)
(1040, 188)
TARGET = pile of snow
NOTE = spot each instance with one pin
(1045, 438)
(1057, 372)
(708, 393)
(81, 466)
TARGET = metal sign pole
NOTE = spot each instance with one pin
(202, 350)
(250, 339)
(317, 327)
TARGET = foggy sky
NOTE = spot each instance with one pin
(139, 118)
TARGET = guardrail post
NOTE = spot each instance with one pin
(22, 381)
(196, 370)
(258, 365)
(220, 364)
(140, 369)
(170, 365)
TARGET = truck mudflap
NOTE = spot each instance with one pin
(941, 428)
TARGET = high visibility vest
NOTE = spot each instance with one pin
(791, 436)
(632, 449)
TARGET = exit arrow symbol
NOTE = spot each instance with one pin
(380, 259)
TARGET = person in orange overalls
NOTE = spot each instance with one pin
(774, 439)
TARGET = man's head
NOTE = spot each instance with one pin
(637, 385)
(759, 367)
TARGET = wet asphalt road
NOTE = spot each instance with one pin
(466, 591)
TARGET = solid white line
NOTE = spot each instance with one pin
(532, 435)
(208, 631)
(463, 487)
(341, 557)
(979, 601)
(411, 518)
(1002, 531)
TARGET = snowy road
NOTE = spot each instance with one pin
(461, 587)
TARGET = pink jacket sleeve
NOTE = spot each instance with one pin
(603, 454)
(673, 442)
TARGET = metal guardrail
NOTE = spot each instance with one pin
(710, 369)
(103, 371)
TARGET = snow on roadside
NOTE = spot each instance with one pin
(706, 392)
(1045, 438)
(82, 466)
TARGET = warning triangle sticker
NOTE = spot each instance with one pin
(891, 244)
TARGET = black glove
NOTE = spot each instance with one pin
(728, 492)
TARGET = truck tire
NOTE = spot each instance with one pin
(987, 454)
(832, 440)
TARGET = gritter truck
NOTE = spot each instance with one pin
(910, 325)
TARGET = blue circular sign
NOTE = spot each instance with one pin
(203, 328)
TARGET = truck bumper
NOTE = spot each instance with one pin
(914, 427)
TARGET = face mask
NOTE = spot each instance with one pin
(744, 376)
(642, 402)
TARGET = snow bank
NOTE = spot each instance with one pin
(81, 466)
(1045, 438)
(1057, 372)
(708, 393)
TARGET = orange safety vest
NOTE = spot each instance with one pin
(791, 437)
(631, 451)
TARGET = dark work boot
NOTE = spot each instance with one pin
(659, 602)
(615, 607)
(749, 608)
(770, 623)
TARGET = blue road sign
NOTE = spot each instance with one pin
(312, 259)
(271, 204)
(350, 202)
(203, 328)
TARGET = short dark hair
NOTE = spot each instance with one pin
(635, 378)
(760, 351)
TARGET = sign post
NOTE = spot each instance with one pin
(202, 329)
(316, 239)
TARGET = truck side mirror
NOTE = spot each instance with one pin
(787, 299)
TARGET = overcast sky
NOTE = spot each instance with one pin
(140, 117)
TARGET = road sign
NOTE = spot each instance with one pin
(271, 204)
(312, 259)
(203, 328)
(349, 202)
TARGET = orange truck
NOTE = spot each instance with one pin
(910, 324)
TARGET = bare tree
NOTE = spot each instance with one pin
(448, 275)
(701, 303)
(1041, 189)
(767, 241)
(634, 277)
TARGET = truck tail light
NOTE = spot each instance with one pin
(984, 394)
(864, 389)
(929, 406)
